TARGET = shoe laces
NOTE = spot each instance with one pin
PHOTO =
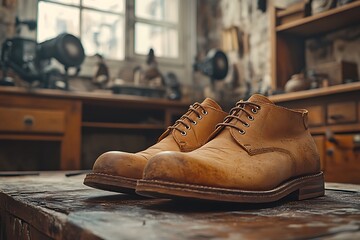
(186, 120)
(235, 114)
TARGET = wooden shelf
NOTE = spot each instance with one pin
(123, 125)
(119, 100)
(324, 22)
(349, 87)
(30, 137)
(345, 128)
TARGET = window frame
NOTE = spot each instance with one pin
(129, 29)
(81, 7)
(132, 20)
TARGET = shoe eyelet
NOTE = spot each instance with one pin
(188, 127)
(183, 133)
(246, 125)
(204, 112)
(254, 110)
(194, 122)
(242, 132)
(251, 118)
(199, 117)
(258, 108)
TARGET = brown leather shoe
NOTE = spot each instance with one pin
(260, 153)
(119, 171)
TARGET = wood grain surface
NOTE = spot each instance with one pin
(53, 206)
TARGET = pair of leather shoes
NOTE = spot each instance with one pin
(259, 152)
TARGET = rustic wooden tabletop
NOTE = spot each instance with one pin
(52, 205)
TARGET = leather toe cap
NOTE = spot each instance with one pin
(120, 164)
(174, 167)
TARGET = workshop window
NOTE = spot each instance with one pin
(157, 21)
(104, 26)
(99, 24)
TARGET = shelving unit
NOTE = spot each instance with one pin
(122, 125)
(323, 22)
(288, 40)
(319, 92)
(30, 137)
(334, 112)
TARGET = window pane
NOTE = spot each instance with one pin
(165, 10)
(107, 5)
(163, 40)
(74, 2)
(54, 19)
(103, 33)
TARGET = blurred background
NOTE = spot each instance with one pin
(93, 62)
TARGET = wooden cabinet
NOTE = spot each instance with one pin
(343, 156)
(335, 124)
(334, 112)
(343, 112)
(28, 120)
(52, 130)
(124, 123)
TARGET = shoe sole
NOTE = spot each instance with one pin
(110, 183)
(304, 187)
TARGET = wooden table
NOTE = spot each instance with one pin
(52, 205)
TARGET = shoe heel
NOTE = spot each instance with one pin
(312, 188)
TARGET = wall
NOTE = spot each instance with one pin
(249, 64)
(7, 20)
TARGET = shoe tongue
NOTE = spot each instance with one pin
(210, 103)
(259, 98)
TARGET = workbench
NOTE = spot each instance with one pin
(53, 205)
(74, 128)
